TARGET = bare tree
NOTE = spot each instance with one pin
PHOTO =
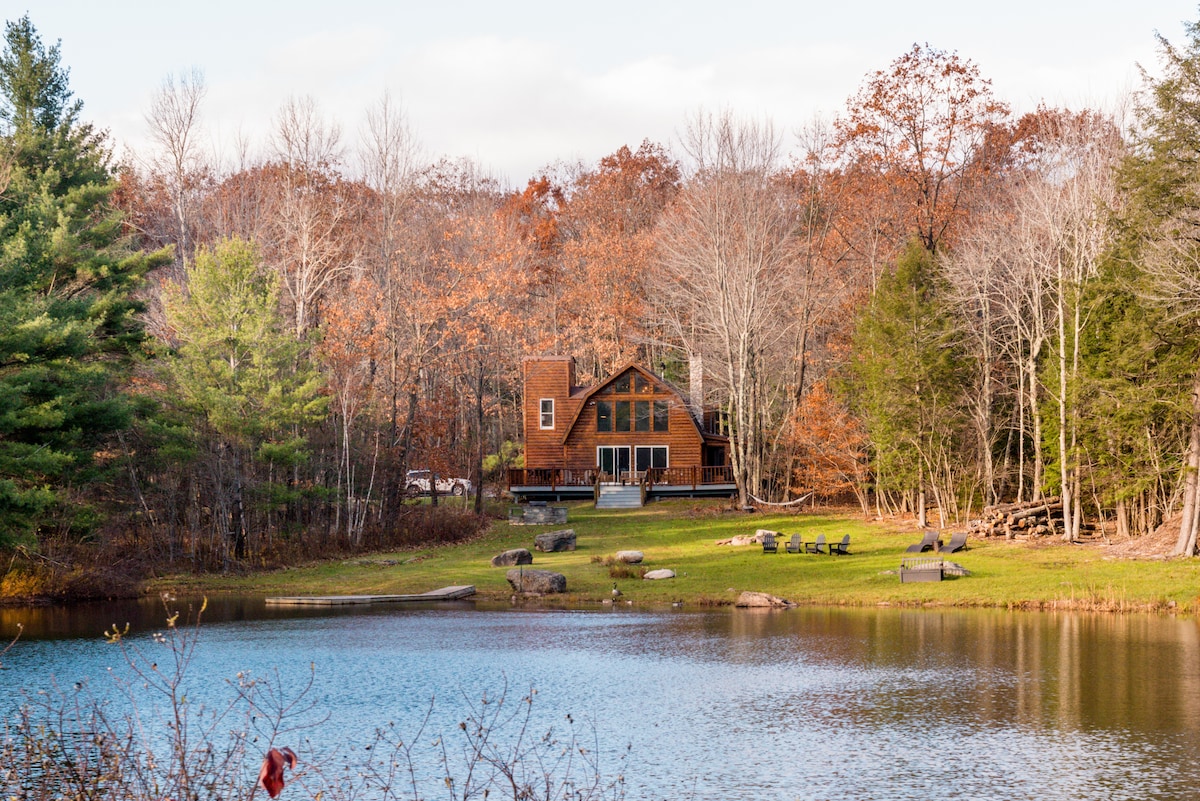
(307, 213)
(388, 154)
(174, 119)
(726, 252)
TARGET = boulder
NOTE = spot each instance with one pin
(659, 574)
(762, 600)
(630, 557)
(740, 539)
(758, 535)
(517, 556)
(542, 582)
(561, 540)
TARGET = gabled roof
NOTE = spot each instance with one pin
(584, 397)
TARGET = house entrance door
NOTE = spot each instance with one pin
(613, 460)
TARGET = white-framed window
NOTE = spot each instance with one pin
(546, 413)
(646, 457)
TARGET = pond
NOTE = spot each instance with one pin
(810, 703)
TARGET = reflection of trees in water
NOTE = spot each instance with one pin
(1066, 671)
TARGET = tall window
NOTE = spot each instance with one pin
(603, 415)
(662, 413)
(547, 415)
(641, 415)
(621, 416)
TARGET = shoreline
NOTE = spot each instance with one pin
(1040, 575)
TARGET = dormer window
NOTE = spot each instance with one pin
(547, 414)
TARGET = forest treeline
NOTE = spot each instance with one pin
(928, 304)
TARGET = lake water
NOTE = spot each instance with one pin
(728, 704)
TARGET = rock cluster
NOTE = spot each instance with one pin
(743, 539)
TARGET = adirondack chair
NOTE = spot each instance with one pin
(840, 548)
(769, 544)
(926, 543)
(817, 546)
(794, 545)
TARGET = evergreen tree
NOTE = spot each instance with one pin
(908, 380)
(67, 271)
(1162, 227)
(241, 372)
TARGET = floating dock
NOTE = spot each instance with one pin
(444, 594)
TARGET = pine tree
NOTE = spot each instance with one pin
(907, 382)
(1162, 225)
(240, 372)
(68, 324)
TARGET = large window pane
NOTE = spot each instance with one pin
(661, 415)
(621, 385)
(641, 415)
(604, 416)
(621, 416)
(660, 458)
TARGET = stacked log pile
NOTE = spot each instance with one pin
(1021, 520)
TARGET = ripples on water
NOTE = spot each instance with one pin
(805, 703)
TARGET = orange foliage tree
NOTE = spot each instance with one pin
(924, 125)
(832, 448)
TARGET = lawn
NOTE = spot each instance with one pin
(682, 536)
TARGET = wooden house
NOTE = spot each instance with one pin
(632, 428)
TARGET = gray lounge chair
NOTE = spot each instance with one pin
(817, 546)
(840, 548)
(794, 545)
(926, 543)
(958, 542)
(769, 544)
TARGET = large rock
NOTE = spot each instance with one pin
(762, 599)
(630, 557)
(659, 574)
(758, 535)
(517, 556)
(542, 582)
(561, 540)
(740, 539)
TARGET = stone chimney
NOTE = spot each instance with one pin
(696, 387)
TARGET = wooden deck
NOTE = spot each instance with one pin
(444, 594)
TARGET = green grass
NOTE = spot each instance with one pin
(681, 535)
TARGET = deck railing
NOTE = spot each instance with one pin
(554, 478)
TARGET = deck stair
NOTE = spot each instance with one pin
(619, 496)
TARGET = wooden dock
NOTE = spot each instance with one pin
(444, 594)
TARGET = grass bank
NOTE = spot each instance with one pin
(682, 536)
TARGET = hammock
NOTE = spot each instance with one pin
(801, 499)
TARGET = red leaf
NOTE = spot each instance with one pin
(271, 774)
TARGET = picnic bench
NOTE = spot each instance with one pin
(921, 568)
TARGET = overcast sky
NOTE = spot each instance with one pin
(518, 85)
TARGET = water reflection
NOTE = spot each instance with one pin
(805, 703)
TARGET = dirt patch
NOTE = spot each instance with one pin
(1158, 544)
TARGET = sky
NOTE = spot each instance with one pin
(521, 85)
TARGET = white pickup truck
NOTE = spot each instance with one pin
(417, 483)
